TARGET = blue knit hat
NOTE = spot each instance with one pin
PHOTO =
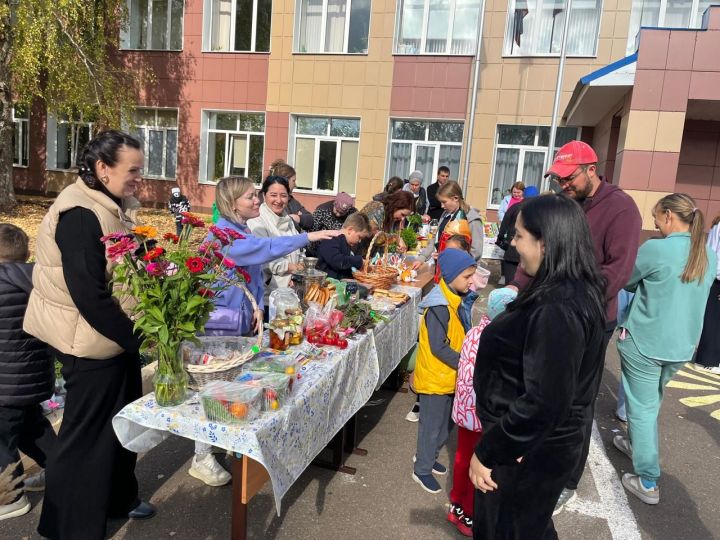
(453, 262)
(498, 301)
(530, 191)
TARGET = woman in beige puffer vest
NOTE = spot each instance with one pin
(89, 477)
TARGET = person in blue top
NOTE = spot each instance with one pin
(237, 201)
(671, 280)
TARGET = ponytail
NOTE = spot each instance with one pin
(683, 206)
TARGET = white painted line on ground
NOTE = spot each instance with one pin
(613, 506)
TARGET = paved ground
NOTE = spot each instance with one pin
(381, 500)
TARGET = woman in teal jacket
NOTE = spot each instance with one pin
(671, 281)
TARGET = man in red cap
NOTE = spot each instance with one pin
(615, 225)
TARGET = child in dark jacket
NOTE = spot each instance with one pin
(26, 372)
(335, 256)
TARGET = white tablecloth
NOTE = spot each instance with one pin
(328, 393)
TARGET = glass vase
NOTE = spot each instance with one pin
(170, 380)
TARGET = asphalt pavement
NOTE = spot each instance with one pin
(382, 501)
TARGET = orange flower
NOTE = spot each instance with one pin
(146, 231)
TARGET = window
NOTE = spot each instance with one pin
(437, 26)
(332, 26)
(535, 27)
(157, 129)
(154, 25)
(66, 139)
(418, 145)
(326, 153)
(237, 25)
(234, 143)
(520, 153)
(21, 136)
(664, 13)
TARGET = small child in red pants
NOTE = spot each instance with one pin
(463, 414)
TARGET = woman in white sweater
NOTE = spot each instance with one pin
(274, 221)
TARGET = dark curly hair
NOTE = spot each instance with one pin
(399, 200)
(103, 147)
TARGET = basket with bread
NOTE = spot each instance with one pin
(379, 274)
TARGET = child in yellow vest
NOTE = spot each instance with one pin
(441, 338)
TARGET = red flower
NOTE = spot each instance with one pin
(220, 234)
(228, 263)
(243, 274)
(210, 245)
(207, 293)
(232, 233)
(153, 254)
(171, 236)
(195, 264)
(121, 248)
(191, 219)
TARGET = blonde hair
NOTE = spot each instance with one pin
(227, 190)
(517, 185)
(452, 189)
(683, 206)
(280, 168)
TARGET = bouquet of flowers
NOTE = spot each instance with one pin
(172, 285)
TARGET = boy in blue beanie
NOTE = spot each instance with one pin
(441, 337)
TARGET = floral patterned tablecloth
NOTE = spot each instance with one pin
(328, 393)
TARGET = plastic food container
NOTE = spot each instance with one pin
(231, 402)
(276, 388)
(273, 364)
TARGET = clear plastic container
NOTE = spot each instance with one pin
(276, 388)
(231, 402)
(282, 302)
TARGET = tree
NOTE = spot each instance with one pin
(61, 53)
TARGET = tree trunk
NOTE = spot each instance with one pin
(7, 190)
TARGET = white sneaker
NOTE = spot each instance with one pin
(412, 416)
(634, 485)
(501, 281)
(36, 482)
(712, 369)
(622, 443)
(18, 508)
(206, 469)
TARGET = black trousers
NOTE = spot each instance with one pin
(508, 269)
(587, 427)
(25, 429)
(90, 476)
(708, 351)
(521, 507)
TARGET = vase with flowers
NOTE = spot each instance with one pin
(172, 284)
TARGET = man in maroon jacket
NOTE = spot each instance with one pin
(615, 225)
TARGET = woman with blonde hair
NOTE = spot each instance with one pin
(708, 352)
(238, 202)
(672, 275)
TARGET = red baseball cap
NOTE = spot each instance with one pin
(569, 157)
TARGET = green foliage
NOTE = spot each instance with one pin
(409, 236)
(61, 53)
(415, 222)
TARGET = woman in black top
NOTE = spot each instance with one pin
(534, 375)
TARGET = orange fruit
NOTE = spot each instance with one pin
(239, 410)
(275, 405)
(290, 370)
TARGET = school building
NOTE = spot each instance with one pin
(352, 92)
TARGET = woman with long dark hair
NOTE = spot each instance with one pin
(534, 374)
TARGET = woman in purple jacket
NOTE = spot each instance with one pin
(237, 201)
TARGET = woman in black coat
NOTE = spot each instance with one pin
(534, 375)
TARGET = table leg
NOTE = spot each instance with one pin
(239, 508)
(351, 438)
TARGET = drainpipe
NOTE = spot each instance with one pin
(558, 91)
(473, 103)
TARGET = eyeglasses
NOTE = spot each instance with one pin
(568, 179)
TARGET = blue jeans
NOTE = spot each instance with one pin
(644, 380)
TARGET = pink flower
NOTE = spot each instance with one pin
(228, 263)
(123, 247)
(220, 234)
(232, 233)
(191, 219)
(243, 273)
(210, 245)
(114, 237)
(157, 269)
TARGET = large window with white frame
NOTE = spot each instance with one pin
(422, 145)
(66, 139)
(157, 129)
(325, 153)
(437, 26)
(233, 145)
(535, 27)
(237, 25)
(153, 25)
(332, 26)
(520, 153)
(664, 14)
(21, 136)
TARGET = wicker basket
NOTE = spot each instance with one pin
(225, 370)
(378, 276)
